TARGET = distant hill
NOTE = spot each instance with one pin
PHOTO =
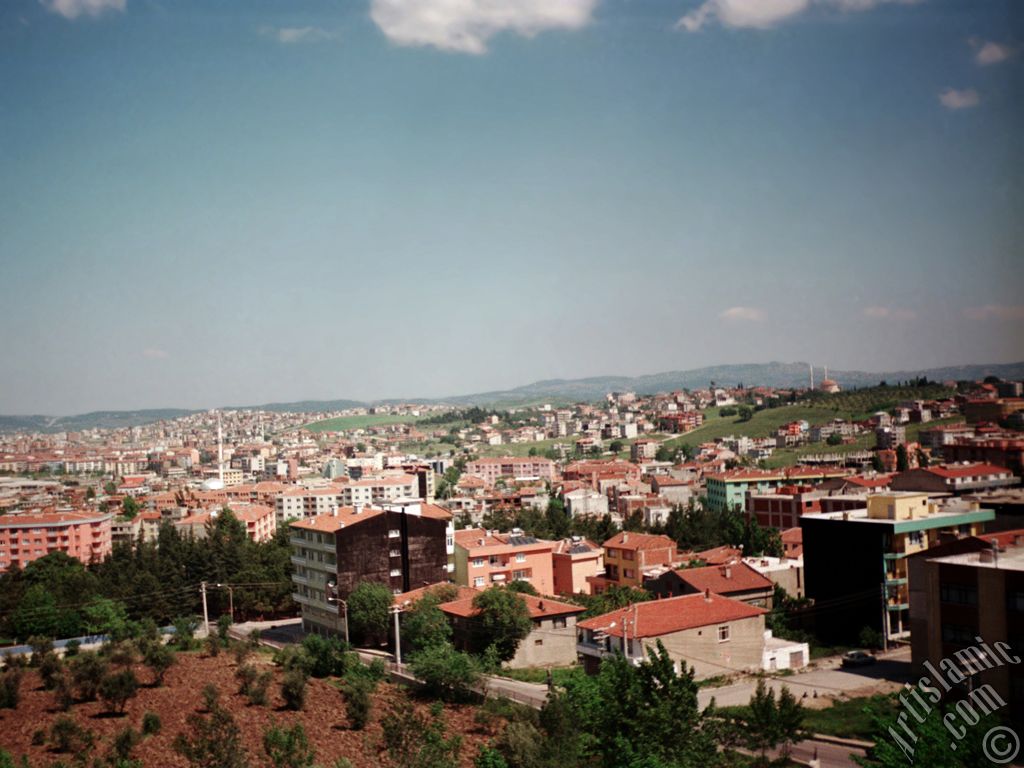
(559, 390)
(759, 374)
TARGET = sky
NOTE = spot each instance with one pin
(213, 202)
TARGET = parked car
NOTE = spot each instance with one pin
(857, 659)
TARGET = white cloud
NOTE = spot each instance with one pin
(762, 14)
(154, 354)
(951, 98)
(72, 9)
(988, 52)
(995, 312)
(751, 314)
(894, 313)
(292, 35)
(465, 26)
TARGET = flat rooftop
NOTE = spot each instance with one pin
(1010, 560)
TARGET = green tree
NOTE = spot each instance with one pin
(293, 689)
(368, 609)
(412, 740)
(129, 508)
(745, 412)
(790, 719)
(876, 463)
(358, 690)
(834, 439)
(502, 622)
(762, 723)
(424, 625)
(523, 587)
(902, 462)
(87, 672)
(894, 748)
(159, 658)
(117, 687)
(445, 672)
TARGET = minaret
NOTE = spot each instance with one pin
(811, 366)
(220, 451)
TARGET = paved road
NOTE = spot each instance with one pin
(828, 680)
(830, 755)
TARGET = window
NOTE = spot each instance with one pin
(396, 571)
(478, 562)
(958, 594)
(478, 581)
(538, 641)
(957, 635)
(394, 533)
(558, 622)
(520, 557)
(916, 538)
(723, 633)
(1015, 601)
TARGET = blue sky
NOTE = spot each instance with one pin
(206, 202)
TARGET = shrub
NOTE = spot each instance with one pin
(184, 633)
(213, 645)
(151, 724)
(293, 657)
(72, 648)
(358, 701)
(38, 738)
(10, 688)
(117, 688)
(66, 735)
(121, 747)
(242, 651)
(246, 676)
(224, 623)
(288, 747)
(293, 689)
(51, 669)
(259, 687)
(214, 741)
(87, 672)
(159, 658)
(326, 655)
(41, 647)
(446, 672)
(64, 691)
(211, 697)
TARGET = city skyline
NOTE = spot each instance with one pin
(274, 201)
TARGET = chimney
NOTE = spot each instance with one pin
(727, 571)
(707, 595)
(541, 605)
(625, 537)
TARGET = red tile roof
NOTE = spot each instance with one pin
(969, 470)
(720, 555)
(675, 614)
(539, 607)
(633, 540)
(725, 579)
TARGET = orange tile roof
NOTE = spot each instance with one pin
(539, 607)
(348, 516)
(415, 595)
(720, 555)
(633, 540)
(674, 614)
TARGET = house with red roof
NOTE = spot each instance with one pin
(735, 580)
(552, 637)
(628, 554)
(710, 633)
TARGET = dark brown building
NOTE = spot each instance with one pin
(403, 546)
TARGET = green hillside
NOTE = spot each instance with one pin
(361, 421)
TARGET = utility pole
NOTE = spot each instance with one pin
(398, 638)
(885, 617)
(206, 615)
(231, 600)
(331, 591)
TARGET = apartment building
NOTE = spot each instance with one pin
(512, 467)
(574, 561)
(962, 598)
(856, 559)
(84, 536)
(259, 520)
(954, 478)
(402, 546)
(737, 581)
(627, 555)
(728, 490)
(484, 558)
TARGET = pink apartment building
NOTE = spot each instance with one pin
(27, 537)
(260, 521)
(515, 467)
(483, 558)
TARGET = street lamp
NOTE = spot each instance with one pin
(331, 590)
(231, 599)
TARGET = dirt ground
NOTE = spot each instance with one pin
(323, 717)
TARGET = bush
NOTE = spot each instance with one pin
(122, 746)
(51, 669)
(184, 633)
(66, 735)
(293, 689)
(72, 648)
(245, 675)
(151, 724)
(117, 688)
(159, 658)
(64, 691)
(326, 655)
(211, 697)
(358, 701)
(224, 623)
(213, 645)
(242, 650)
(38, 738)
(214, 741)
(259, 688)
(87, 672)
(10, 689)
(293, 657)
(41, 647)
(288, 747)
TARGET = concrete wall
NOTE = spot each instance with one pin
(701, 649)
(547, 646)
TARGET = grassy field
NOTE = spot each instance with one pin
(787, 457)
(361, 421)
(762, 424)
